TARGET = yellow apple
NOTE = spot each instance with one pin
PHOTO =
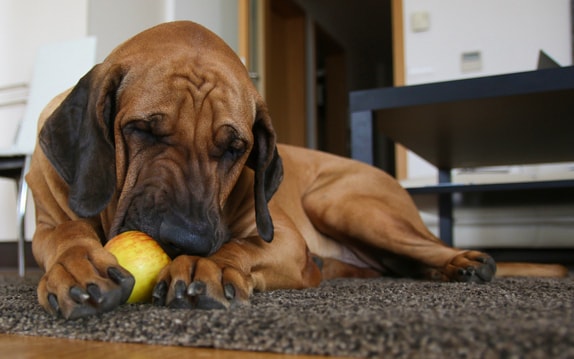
(142, 257)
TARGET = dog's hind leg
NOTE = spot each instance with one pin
(367, 210)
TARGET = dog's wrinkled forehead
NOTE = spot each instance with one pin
(181, 57)
(183, 35)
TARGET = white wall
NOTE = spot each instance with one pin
(25, 25)
(507, 33)
(114, 21)
(220, 16)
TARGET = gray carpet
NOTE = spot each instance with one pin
(390, 318)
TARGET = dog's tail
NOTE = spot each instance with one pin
(515, 269)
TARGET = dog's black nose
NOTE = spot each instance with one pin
(176, 237)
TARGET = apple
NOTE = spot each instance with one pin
(142, 256)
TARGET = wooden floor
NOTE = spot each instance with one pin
(19, 346)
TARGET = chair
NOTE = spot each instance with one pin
(58, 66)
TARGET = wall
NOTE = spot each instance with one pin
(114, 21)
(507, 33)
(220, 16)
(363, 29)
(25, 25)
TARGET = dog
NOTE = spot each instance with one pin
(169, 136)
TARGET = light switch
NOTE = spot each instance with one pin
(420, 21)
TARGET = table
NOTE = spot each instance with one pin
(519, 118)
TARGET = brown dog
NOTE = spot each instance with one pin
(169, 136)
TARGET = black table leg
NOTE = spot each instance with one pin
(446, 222)
(362, 150)
(362, 136)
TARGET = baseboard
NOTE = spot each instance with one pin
(9, 255)
(536, 255)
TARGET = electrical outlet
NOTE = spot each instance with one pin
(471, 61)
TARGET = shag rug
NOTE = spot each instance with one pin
(387, 318)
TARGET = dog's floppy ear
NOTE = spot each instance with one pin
(77, 138)
(265, 161)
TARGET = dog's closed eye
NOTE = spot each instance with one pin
(229, 145)
(144, 130)
(235, 149)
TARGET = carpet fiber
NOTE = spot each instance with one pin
(391, 318)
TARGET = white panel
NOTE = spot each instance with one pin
(508, 34)
(220, 16)
(25, 25)
(114, 21)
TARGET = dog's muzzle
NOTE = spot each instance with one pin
(177, 236)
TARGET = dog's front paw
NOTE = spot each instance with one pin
(470, 266)
(84, 282)
(197, 282)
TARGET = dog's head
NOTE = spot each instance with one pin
(165, 126)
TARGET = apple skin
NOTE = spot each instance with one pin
(140, 255)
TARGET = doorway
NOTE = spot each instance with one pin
(332, 95)
(301, 71)
(285, 72)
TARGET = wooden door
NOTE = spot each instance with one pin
(274, 40)
(332, 95)
(284, 72)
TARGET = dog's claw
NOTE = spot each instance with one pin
(53, 300)
(117, 276)
(468, 274)
(471, 266)
(196, 288)
(197, 291)
(488, 270)
(229, 291)
(79, 295)
(91, 300)
(180, 300)
(159, 293)
(95, 294)
(179, 289)
(73, 295)
(125, 281)
(201, 289)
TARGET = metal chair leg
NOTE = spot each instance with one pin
(21, 203)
